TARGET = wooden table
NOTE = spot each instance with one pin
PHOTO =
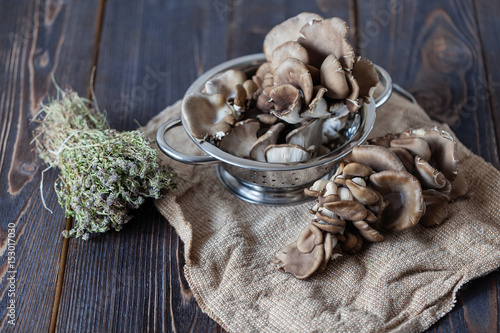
(146, 54)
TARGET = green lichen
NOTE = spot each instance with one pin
(104, 174)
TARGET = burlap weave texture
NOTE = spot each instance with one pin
(403, 284)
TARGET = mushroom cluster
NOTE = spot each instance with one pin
(391, 184)
(297, 105)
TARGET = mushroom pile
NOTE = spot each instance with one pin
(297, 105)
(391, 184)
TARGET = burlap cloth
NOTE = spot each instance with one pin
(404, 284)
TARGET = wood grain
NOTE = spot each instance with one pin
(32, 37)
(433, 49)
(133, 280)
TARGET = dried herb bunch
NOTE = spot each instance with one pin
(103, 173)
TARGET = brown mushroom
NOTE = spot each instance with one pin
(318, 108)
(363, 194)
(355, 169)
(376, 157)
(443, 148)
(286, 105)
(436, 208)
(290, 49)
(429, 177)
(405, 158)
(309, 237)
(322, 38)
(368, 232)
(348, 210)
(293, 71)
(366, 76)
(403, 193)
(287, 31)
(333, 78)
(459, 187)
(352, 101)
(302, 265)
(306, 135)
(257, 151)
(414, 145)
(207, 117)
(225, 83)
(242, 137)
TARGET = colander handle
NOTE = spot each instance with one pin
(386, 81)
(174, 154)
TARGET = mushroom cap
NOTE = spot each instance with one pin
(352, 100)
(459, 187)
(318, 108)
(257, 151)
(404, 195)
(429, 177)
(366, 75)
(353, 242)
(333, 78)
(288, 30)
(302, 265)
(376, 157)
(263, 69)
(286, 105)
(329, 217)
(329, 243)
(443, 149)
(405, 157)
(362, 194)
(288, 153)
(348, 210)
(355, 169)
(290, 49)
(368, 232)
(436, 208)
(225, 82)
(383, 141)
(240, 140)
(414, 145)
(322, 38)
(295, 72)
(309, 134)
(250, 88)
(309, 237)
(207, 116)
(329, 228)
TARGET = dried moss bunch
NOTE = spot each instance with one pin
(104, 174)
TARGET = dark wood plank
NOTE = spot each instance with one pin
(487, 15)
(132, 281)
(32, 37)
(433, 49)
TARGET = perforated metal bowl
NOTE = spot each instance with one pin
(271, 183)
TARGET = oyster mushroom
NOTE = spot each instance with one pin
(242, 137)
(352, 101)
(362, 194)
(318, 108)
(302, 265)
(368, 232)
(257, 151)
(225, 82)
(405, 157)
(322, 38)
(348, 210)
(263, 69)
(333, 78)
(414, 145)
(288, 153)
(355, 169)
(207, 116)
(459, 187)
(295, 72)
(443, 149)
(329, 243)
(376, 157)
(306, 135)
(436, 208)
(290, 49)
(309, 237)
(366, 75)
(403, 193)
(288, 30)
(250, 88)
(429, 177)
(317, 188)
(285, 103)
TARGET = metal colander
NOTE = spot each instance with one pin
(271, 183)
